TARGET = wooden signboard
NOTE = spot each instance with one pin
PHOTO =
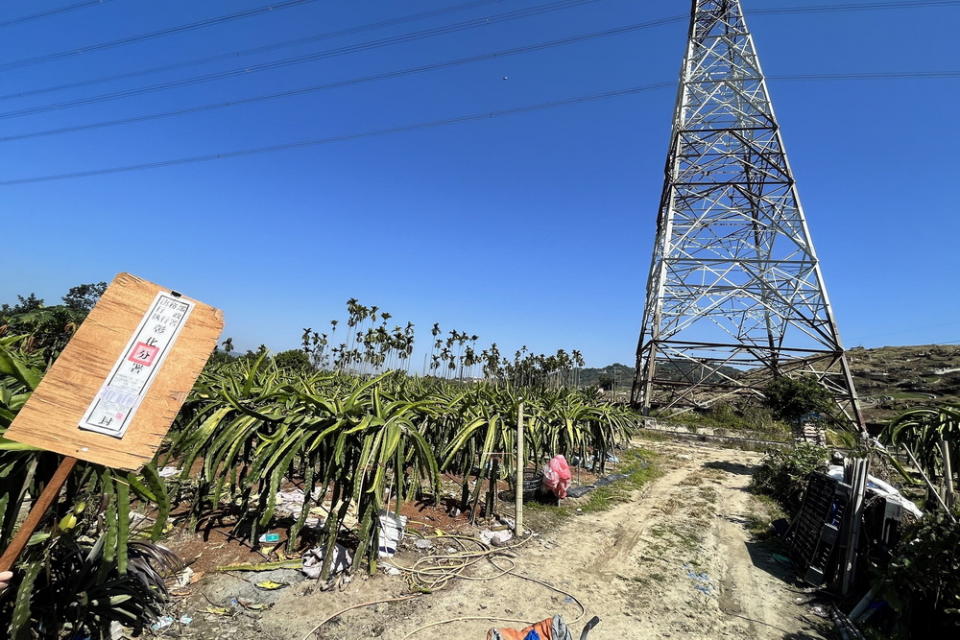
(114, 391)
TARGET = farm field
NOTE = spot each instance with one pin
(674, 559)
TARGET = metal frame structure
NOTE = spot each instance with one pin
(735, 295)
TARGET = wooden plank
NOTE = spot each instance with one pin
(51, 418)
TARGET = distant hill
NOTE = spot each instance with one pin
(889, 380)
(622, 375)
(892, 379)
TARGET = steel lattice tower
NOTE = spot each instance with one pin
(735, 295)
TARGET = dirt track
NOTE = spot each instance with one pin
(673, 561)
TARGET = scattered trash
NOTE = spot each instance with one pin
(610, 479)
(185, 619)
(162, 623)
(393, 571)
(495, 538)
(578, 492)
(391, 532)
(423, 544)
(819, 610)
(217, 611)
(270, 537)
(166, 472)
(701, 581)
(550, 629)
(270, 585)
(313, 561)
(684, 456)
(879, 487)
(184, 577)
(556, 476)
(291, 502)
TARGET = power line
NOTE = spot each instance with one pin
(594, 97)
(417, 16)
(876, 75)
(285, 62)
(261, 49)
(343, 83)
(191, 26)
(341, 138)
(859, 6)
(447, 64)
(51, 12)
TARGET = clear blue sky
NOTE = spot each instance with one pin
(528, 229)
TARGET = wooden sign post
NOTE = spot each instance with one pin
(112, 394)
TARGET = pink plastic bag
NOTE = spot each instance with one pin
(556, 476)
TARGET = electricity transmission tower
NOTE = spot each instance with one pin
(735, 295)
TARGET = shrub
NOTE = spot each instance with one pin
(922, 582)
(783, 473)
(792, 398)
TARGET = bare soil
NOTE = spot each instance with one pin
(674, 560)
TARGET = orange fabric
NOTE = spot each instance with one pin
(544, 629)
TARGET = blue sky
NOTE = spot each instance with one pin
(528, 229)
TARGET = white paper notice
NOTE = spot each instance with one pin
(113, 408)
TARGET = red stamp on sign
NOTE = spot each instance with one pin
(143, 354)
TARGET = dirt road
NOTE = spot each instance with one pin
(675, 560)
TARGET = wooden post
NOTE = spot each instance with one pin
(853, 515)
(518, 527)
(948, 491)
(47, 496)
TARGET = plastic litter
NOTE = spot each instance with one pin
(701, 581)
(269, 537)
(578, 492)
(270, 585)
(423, 544)
(184, 577)
(880, 488)
(391, 533)
(550, 629)
(162, 623)
(610, 479)
(185, 619)
(495, 538)
(556, 476)
(166, 472)
(313, 561)
(291, 502)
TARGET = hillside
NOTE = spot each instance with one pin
(893, 379)
(888, 379)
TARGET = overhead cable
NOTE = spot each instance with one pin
(863, 6)
(190, 26)
(432, 124)
(339, 83)
(51, 12)
(339, 138)
(285, 62)
(230, 55)
(856, 6)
